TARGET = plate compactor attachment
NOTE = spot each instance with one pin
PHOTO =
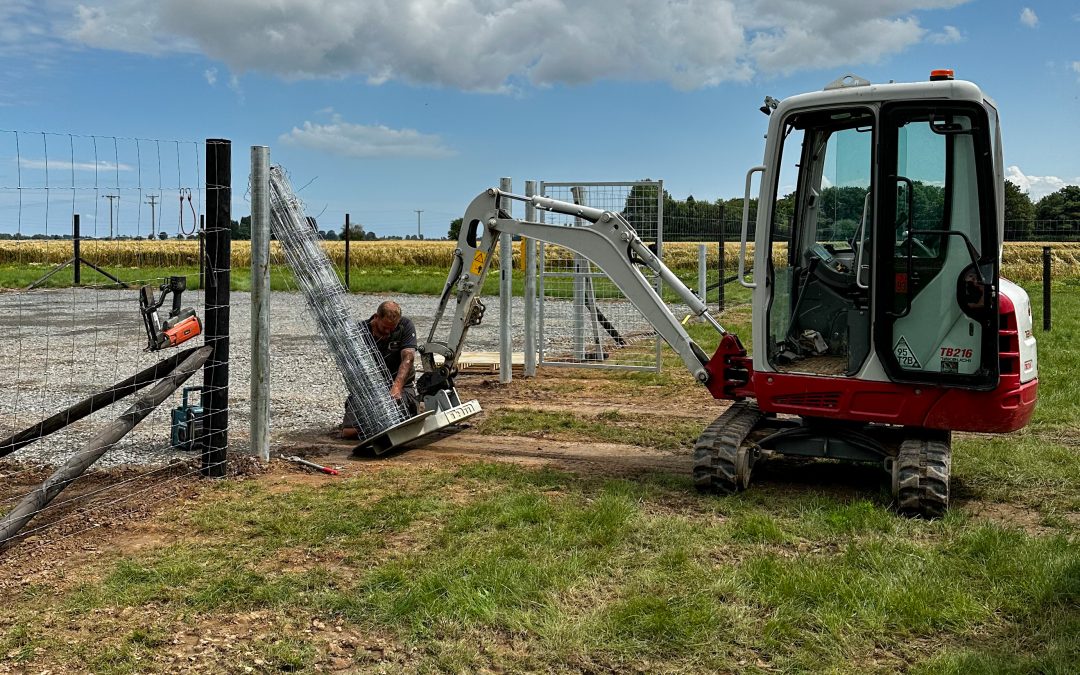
(443, 412)
(181, 325)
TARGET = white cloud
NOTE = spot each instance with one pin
(25, 29)
(1028, 17)
(498, 45)
(1037, 187)
(948, 35)
(1075, 65)
(211, 76)
(127, 25)
(234, 85)
(61, 165)
(357, 140)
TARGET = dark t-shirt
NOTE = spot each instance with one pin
(402, 337)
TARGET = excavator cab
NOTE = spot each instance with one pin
(883, 243)
(881, 324)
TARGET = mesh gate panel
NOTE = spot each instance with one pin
(585, 320)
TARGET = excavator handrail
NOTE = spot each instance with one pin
(745, 226)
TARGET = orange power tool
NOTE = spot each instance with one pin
(181, 325)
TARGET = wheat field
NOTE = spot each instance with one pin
(1022, 260)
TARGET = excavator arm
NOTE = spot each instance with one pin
(607, 240)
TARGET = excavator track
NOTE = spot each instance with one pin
(722, 461)
(921, 476)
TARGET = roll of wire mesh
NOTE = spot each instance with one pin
(350, 342)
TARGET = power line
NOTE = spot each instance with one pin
(111, 198)
(152, 201)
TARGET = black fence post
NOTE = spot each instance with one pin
(76, 246)
(720, 263)
(215, 393)
(1046, 288)
(348, 237)
(202, 251)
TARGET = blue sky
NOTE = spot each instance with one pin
(382, 107)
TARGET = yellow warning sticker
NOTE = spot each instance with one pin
(478, 262)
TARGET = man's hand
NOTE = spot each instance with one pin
(396, 389)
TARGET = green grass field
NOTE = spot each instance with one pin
(469, 566)
(420, 280)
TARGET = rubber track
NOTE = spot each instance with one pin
(923, 478)
(717, 448)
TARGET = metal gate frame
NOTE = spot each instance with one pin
(583, 280)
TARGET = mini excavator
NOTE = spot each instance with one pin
(881, 323)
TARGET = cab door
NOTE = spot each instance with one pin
(936, 290)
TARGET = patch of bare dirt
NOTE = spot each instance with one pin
(104, 511)
(155, 640)
(574, 389)
(1009, 515)
(615, 459)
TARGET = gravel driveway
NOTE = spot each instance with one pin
(61, 346)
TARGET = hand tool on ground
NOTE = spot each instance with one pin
(313, 465)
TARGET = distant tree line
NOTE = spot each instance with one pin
(1055, 217)
(241, 230)
(162, 236)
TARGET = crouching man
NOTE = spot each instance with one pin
(395, 339)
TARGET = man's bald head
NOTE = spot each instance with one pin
(389, 310)
(387, 317)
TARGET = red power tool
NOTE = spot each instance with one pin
(181, 325)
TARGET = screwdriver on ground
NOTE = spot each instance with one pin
(313, 465)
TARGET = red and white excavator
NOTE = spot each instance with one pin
(881, 323)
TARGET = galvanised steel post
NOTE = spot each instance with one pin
(506, 292)
(530, 287)
(702, 285)
(260, 302)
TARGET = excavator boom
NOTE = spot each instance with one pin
(608, 240)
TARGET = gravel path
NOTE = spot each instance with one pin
(61, 346)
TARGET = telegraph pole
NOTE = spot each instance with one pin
(152, 201)
(111, 198)
(418, 212)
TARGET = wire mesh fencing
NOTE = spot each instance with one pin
(350, 343)
(83, 231)
(583, 317)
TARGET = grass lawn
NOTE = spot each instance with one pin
(464, 565)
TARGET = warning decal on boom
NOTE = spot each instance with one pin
(905, 356)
